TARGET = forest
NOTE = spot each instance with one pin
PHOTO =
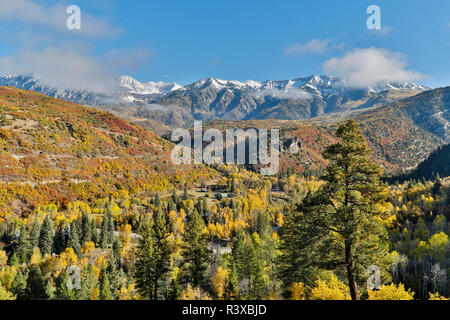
(238, 235)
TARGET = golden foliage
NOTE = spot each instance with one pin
(391, 292)
(191, 293)
(333, 289)
(298, 291)
(219, 280)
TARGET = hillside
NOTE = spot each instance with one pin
(53, 150)
(302, 98)
(437, 163)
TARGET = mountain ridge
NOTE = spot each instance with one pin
(211, 98)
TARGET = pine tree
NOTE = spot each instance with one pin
(46, 236)
(94, 232)
(232, 285)
(60, 241)
(195, 250)
(162, 250)
(157, 201)
(144, 261)
(174, 292)
(86, 227)
(153, 257)
(341, 224)
(24, 248)
(36, 288)
(105, 289)
(175, 198)
(75, 242)
(104, 237)
(111, 228)
(114, 265)
(19, 285)
(63, 292)
(34, 235)
(186, 192)
(88, 283)
(248, 262)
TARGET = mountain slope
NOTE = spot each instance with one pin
(438, 162)
(301, 98)
(162, 106)
(55, 150)
(401, 134)
(124, 91)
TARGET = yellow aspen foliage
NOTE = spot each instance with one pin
(218, 281)
(5, 294)
(128, 293)
(3, 258)
(68, 258)
(436, 296)
(125, 236)
(273, 295)
(298, 291)
(7, 275)
(438, 245)
(391, 292)
(36, 257)
(95, 294)
(332, 289)
(87, 248)
(191, 293)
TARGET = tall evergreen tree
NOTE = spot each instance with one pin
(114, 265)
(36, 288)
(153, 257)
(24, 248)
(196, 253)
(162, 250)
(94, 232)
(63, 292)
(186, 192)
(144, 261)
(88, 283)
(105, 288)
(157, 201)
(46, 236)
(340, 225)
(86, 227)
(19, 285)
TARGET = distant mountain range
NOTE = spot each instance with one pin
(124, 90)
(209, 99)
(403, 129)
(401, 134)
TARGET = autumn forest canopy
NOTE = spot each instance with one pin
(92, 208)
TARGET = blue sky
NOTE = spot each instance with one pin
(184, 41)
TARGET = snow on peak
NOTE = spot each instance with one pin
(134, 86)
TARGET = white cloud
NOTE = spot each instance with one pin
(60, 69)
(311, 47)
(31, 13)
(74, 66)
(372, 66)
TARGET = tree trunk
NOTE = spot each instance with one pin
(351, 279)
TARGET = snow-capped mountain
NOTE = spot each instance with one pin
(300, 98)
(124, 90)
(134, 86)
(211, 98)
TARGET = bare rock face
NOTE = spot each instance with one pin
(292, 145)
